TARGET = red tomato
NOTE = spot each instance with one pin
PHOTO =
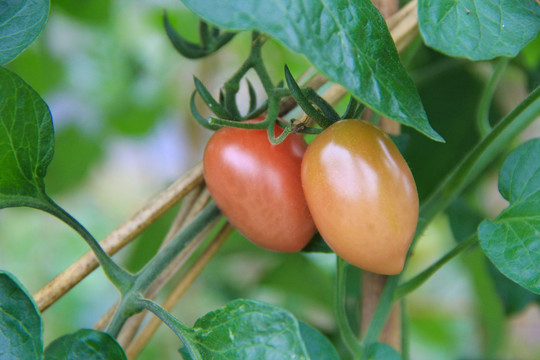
(257, 186)
(362, 195)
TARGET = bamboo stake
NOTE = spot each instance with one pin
(373, 284)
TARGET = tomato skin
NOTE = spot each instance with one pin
(362, 195)
(257, 186)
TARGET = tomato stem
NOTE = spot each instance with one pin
(482, 116)
(122, 279)
(237, 124)
(349, 338)
(162, 259)
(146, 276)
(211, 41)
(198, 117)
(182, 331)
(405, 337)
(354, 109)
(211, 102)
(300, 96)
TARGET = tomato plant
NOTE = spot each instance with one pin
(455, 85)
(362, 195)
(257, 186)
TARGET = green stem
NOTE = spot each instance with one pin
(261, 109)
(160, 262)
(251, 61)
(347, 334)
(262, 73)
(156, 265)
(254, 61)
(281, 92)
(232, 86)
(381, 312)
(273, 110)
(480, 157)
(125, 309)
(482, 117)
(405, 336)
(238, 124)
(419, 279)
(174, 324)
(122, 279)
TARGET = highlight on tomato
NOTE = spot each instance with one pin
(257, 186)
(361, 195)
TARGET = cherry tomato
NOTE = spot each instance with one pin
(362, 195)
(257, 186)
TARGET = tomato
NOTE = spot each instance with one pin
(362, 195)
(257, 186)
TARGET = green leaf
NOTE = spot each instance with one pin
(20, 322)
(26, 142)
(464, 220)
(478, 30)
(21, 21)
(185, 354)
(514, 298)
(318, 346)
(85, 344)
(512, 240)
(347, 40)
(246, 329)
(380, 351)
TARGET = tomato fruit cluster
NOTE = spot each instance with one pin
(351, 184)
(257, 186)
(362, 195)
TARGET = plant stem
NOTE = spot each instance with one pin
(419, 279)
(122, 279)
(119, 238)
(482, 116)
(174, 324)
(260, 69)
(160, 262)
(145, 277)
(233, 84)
(123, 311)
(137, 345)
(405, 338)
(340, 303)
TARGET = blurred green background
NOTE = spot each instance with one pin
(119, 96)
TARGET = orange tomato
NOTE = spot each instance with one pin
(362, 195)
